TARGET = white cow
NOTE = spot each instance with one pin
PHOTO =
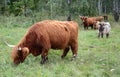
(104, 28)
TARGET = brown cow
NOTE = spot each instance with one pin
(99, 18)
(45, 35)
(90, 21)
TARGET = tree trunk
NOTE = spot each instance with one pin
(4, 7)
(99, 7)
(68, 7)
(25, 7)
(115, 10)
(51, 11)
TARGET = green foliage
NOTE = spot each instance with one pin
(16, 8)
(56, 7)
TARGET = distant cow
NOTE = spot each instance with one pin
(90, 21)
(105, 17)
(99, 18)
(104, 28)
(45, 35)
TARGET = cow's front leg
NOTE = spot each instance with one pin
(102, 35)
(44, 59)
(84, 27)
(44, 56)
(91, 26)
(107, 35)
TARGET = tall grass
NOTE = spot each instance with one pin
(22, 21)
(96, 57)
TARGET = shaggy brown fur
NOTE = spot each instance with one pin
(45, 35)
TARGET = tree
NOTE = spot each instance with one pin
(115, 10)
(99, 7)
(52, 8)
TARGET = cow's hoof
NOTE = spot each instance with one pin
(42, 62)
(62, 57)
(46, 59)
(73, 58)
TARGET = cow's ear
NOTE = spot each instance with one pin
(25, 51)
(85, 18)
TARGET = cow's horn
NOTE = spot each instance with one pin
(9, 44)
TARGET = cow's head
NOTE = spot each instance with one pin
(101, 28)
(83, 18)
(19, 54)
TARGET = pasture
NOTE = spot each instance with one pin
(97, 57)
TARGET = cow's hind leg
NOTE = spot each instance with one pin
(99, 35)
(74, 48)
(65, 52)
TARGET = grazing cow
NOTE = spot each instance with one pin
(104, 28)
(45, 35)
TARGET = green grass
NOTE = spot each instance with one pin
(96, 57)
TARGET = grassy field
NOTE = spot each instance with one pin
(96, 57)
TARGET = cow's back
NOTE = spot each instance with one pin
(58, 34)
(73, 27)
(55, 34)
